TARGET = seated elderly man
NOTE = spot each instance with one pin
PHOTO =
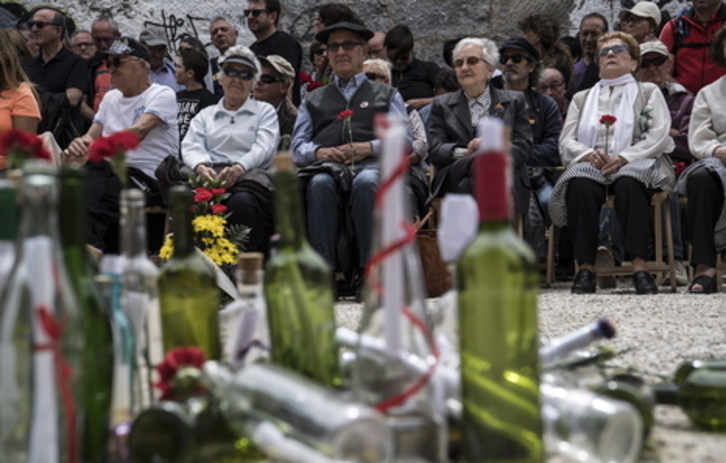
(137, 105)
(272, 87)
(338, 153)
(234, 141)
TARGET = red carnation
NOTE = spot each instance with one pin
(179, 373)
(304, 77)
(20, 146)
(218, 191)
(203, 195)
(346, 114)
(608, 120)
(218, 208)
(313, 85)
(679, 168)
(113, 145)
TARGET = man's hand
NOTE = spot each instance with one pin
(414, 159)
(229, 175)
(720, 153)
(206, 172)
(418, 103)
(472, 146)
(77, 151)
(613, 165)
(332, 154)
(358, 152)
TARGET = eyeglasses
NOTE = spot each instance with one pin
(103, 39)
(616, 50)
(83, 45)
(470, 61)
(270, 79)
(657, 62)
(42, 24)
(319, 51)
(375, 76)
(255, 13)
(399, 57)
(225, 29)
(231, 73)
(347, 46)
(117, 62)
(551, 87)
(516, 58)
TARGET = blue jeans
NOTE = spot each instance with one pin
(323, 205)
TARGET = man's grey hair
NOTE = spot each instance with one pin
(217, 19)
(241, 50)
(79, 31)
(383, 66)
(489, 49)
(110, 20)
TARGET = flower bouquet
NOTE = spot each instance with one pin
(18, 146)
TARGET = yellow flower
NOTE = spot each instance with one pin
(213, 224)
(168, 248)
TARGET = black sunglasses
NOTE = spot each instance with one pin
(270, 79)
(657, 62)
(42, 24)
(117, 62)
(616, 49)
(516, 58)
(348, 45)
(244, 75)
(375, 76)
(255, 13)
(319, 51)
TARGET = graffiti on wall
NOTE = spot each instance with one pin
(177, 27)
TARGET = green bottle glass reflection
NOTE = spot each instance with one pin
(298, 290)
(188, 292)
(8, 229)
(98, 355)
(498, 324)
(632, 389)
(700, 391)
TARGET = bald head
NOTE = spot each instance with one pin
(375, 46)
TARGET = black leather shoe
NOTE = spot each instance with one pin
(644, 283)
(585, 282)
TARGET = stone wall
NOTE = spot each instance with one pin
(432, 21)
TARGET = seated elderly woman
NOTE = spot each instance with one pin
(624, 153)
(234, 141)
(704, 182)
(454, 119)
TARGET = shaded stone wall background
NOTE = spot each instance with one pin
(432, 21)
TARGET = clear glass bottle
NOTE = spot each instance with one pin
(99, 354)
(298, 289)
(559, 348)
(41, 337)
(394, 316)
(498, 323)
(8, 229)
(243, 323)
(188, 291)
(141, 293)
(262, 395)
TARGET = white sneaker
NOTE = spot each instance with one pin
(605, 259)
(681, 275)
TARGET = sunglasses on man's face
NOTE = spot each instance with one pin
(232, 73)
(375, 76)
(270, 79)
(516, 58)
(347, 46)
(254, 13)
(657, 62)
(42, 24)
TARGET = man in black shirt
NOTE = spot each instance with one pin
(59, 75)
(413, 78)
(191, 67)
(262, 19)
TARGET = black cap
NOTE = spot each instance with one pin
(363, 31)
(520, 43)
(126, 46)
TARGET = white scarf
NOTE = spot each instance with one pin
(621, 132)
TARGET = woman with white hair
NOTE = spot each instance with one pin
(454, 119)
(234, 141)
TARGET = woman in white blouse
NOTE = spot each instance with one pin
(632, 166)
(704, 181)
(233, 141)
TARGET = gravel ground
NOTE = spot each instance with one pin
(660, 331)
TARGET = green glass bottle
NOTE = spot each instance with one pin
(98, 357)
(632, 389)
(8, 228)
(41, 337)
(501, 419)
(700, 393)
(188, 293)
(298, 290)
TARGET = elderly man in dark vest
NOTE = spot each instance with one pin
(335, 145)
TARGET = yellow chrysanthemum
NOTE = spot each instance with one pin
(168, 248)
(213, 224)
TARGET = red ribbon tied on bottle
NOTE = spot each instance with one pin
(53, 328)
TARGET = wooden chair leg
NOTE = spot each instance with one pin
(669, 244)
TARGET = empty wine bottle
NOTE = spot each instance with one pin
(498, 323)
(298, 289)
(99, 354)
(700, 391)
(41, 337)
(187, 287)
(558, 348)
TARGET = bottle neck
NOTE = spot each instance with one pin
(133, 223)
(39, 199)
(288, 214)
(181, 214)
(8, 212)
(492, 189)
(72, 209)
(666, 394)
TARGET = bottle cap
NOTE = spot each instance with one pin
(283, 162)
(249, 264)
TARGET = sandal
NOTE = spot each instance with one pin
(708, 285)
